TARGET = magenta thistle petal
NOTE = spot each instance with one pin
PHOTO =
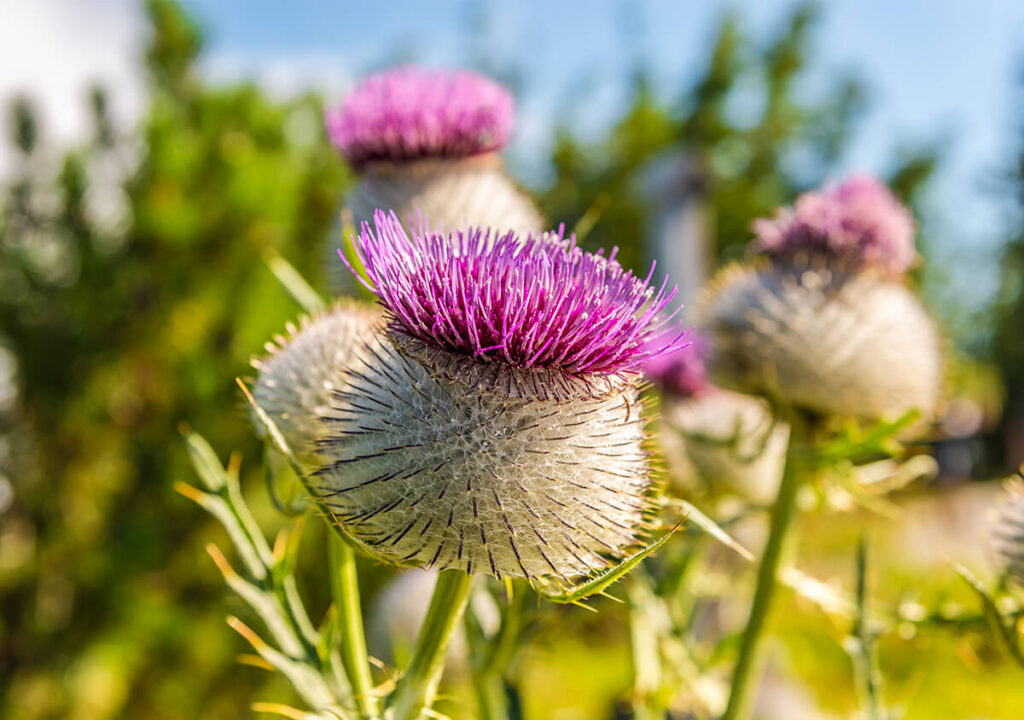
(411, 113)
(858, 220)
(682, 372)
(542, 302)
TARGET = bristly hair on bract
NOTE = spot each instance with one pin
(306, 365)
(858, 221)
(497, 427)
(412, 113)
(539, 302)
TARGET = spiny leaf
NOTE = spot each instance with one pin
(602, 580)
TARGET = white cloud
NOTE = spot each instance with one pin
(54, 50)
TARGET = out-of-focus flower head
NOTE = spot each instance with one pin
(1009, 530)
(498, 427)
(858, 220)
(412, 113)
(681, 373)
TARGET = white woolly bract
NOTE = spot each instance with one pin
(819, 338)
(730, 441)
(1009, 532)
(450, 194)
(475, 471)
(305, 366)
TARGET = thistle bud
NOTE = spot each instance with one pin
(497, 428)
(425, 143)
(826, 324)
(304, 367)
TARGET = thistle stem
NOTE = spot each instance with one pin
(781, 519)
(416, 689)
(345, 588)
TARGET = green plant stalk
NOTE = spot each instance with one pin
(491, 699)
(345, 588)
(782, 514)
(417, 687)
(863, 655)
(648, 677)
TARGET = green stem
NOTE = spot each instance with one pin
(491, 698)
(782, 513)
(345, 588)
(863, 655)
(416, 689)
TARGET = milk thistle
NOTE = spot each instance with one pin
(497, 428)
(823, 326)
(426, 142)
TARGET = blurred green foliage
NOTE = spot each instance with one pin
(1008, 339)
(747, 138)
(132, 290)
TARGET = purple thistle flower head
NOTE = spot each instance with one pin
(542, 302)
(411, 113)
(682, 372)
(858, 220)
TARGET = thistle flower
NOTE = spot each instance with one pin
(425, 142)
(682, 373)
(858, 221)
(834, 343)
(715, 436)
(1009, 533)
(497, 428)
(306, 366)
(826, 323)
(411, 113)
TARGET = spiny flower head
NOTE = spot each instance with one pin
(411, 113)
(305, 367)
(858, 220)
(1009, 531)
(497, 427)
(849, 344)
(542, 302)
(681, 373)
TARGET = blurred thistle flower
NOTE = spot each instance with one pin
(823, 340)
(1009, 531)
(498, 426)
(410, 113)
(826, 323)
(681, 373)
(858, 220)
(306, 366)
(425, 143)
(715, 436)
(727, 441)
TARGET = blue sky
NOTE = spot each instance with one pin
(937, 71)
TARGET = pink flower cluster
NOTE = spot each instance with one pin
(681, 373)
(411, 113)
(858, 220)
